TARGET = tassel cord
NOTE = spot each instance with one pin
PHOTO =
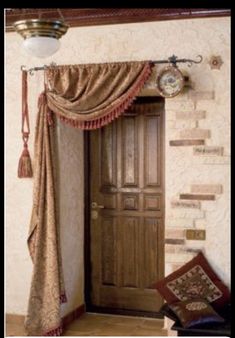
(25, 166)
(25, 128)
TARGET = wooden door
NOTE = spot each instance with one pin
(127, 209)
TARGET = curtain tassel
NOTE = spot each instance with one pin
(25, 165)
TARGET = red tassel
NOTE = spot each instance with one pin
(25, 165)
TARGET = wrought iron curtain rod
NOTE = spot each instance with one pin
(173, 60)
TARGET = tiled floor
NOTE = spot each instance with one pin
(104, 325)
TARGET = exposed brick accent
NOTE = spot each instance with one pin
(179, 105)
(194, 115)
(174, 233)
(179, 222)
(195, 251)
(186, 142)
(184, 124)
(199, 95)
(172, 248)
(207, 188)
(180, 249)
(205, 197)
(195, 133)
(208, 150)
(196, 234)
(185, 204)
(182, 257)
(174, 241)
(169, 248)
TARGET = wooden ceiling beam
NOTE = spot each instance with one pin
(76, 17)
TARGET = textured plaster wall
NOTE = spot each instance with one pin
(153, 40)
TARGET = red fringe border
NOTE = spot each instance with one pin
(63, 298)
(66, 321)
(55, 332)
(117, 111)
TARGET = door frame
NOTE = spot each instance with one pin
(87, 261)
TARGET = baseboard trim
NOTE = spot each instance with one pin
(124, 312)
(75, 314)
(15, 319)
(66, 320)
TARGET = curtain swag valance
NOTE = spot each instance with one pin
(86, 97)
(91, 96)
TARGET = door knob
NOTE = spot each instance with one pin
(94, 205)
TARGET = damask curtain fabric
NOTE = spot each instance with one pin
(87, 97)
(90, 96)
(47, 286)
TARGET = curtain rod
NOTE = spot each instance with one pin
(173, 60)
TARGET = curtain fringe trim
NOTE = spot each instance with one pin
(114, 113)
(55, 332)
(63, 298)
(59, 330)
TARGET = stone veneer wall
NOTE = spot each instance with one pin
(208, 106)
(197, 183)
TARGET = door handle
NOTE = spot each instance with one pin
(94, 205)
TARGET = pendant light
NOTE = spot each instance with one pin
(41, 37)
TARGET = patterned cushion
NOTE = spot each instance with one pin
(196, 279)
(195, 312)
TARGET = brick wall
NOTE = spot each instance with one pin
(194, 188)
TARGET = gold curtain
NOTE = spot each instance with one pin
(88, 97)
(47, 286)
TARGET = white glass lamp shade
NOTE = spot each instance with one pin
(41, 46)
(41, 37)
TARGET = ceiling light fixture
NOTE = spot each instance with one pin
(41, 37)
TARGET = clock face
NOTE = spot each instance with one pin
(170, 82)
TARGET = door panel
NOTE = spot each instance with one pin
(151, 151)
(126, 225)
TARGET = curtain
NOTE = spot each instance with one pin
(87, 97)
(90, 96)
(47, 286)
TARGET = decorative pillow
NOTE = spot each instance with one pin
(196, 279)
(195, 312)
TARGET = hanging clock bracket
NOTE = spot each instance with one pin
(170, 80)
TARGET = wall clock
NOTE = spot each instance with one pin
(170, 81)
